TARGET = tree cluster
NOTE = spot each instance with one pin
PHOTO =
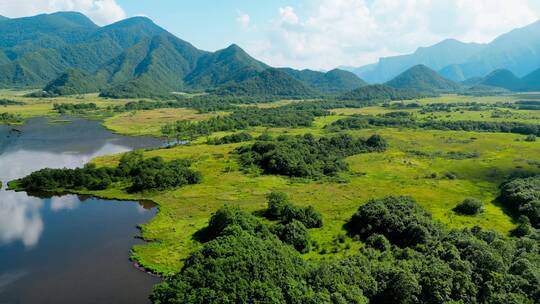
(142, 174)
(63, 108)
(241, 119)
(522, 196)
(246, 265)
(306, 156)
(470, 206)
(231, 139)
(365, 121)
(9, 118)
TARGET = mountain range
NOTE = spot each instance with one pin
(517, 51)
(66, 53)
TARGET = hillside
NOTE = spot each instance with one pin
(43, 47)
(516, 51)
(333, 82)
(232, 64)
(270, 82)
(503, 79)
(378, 92)
(531, 82)
(73, 82)
(67, 53)
(436, 57)
(423, 79)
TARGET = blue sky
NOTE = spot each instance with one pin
(316, 34)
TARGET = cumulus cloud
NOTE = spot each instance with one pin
(243, 20)
(101, 11)
(288, 15)
(329, 33)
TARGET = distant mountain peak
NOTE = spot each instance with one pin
(422, 78)
(436, 57)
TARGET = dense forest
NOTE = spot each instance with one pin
(405, 120)
(243, 118)
(140, 173)
(306, 156)
(407, 258)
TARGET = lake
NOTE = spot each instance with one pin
(67, 249)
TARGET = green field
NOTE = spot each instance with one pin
(416, 164)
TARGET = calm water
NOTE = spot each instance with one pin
(67, 249)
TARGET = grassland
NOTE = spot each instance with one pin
(43, 107)
(399, 171)
(414, 165)
(149, 122)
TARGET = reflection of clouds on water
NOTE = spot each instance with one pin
(41, 145)
(7, 278)
(66, 202)
(20, 218)
(20, 163)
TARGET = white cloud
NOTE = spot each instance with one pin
(330, 33)
(288, 15)
(243, 20)
(101, 11)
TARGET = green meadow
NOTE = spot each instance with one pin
(418, 163)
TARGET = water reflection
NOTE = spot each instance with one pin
(37, 145)
(59, 247)
(20, 218)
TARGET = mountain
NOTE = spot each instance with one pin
(423, 79)
(72, 82)
(229, 65)
(501, 78)
(531, 82)
(156, 64)
(517, 51)
(333, 82)
(270, 82)
(67, 53)
(41, 48)
(436, 57)
(381, 92)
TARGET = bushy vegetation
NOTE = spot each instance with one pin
(231, 139)
(9, 102)
(365, 122)
(63, 108)
(399, 219)
(306, 156)
(243, 118)
(522, 196)
(245, 265)
(8, 118)
(142, 174)
(470, 206)
(280, 208)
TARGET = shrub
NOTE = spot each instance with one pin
(398, 218)
(531, 138)
(280, 208)
(470, 206)
(522, 196)
(295, 234)
(305, 156)
(378, 241)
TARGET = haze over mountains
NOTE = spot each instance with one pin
(517, 51)
(68, 54)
